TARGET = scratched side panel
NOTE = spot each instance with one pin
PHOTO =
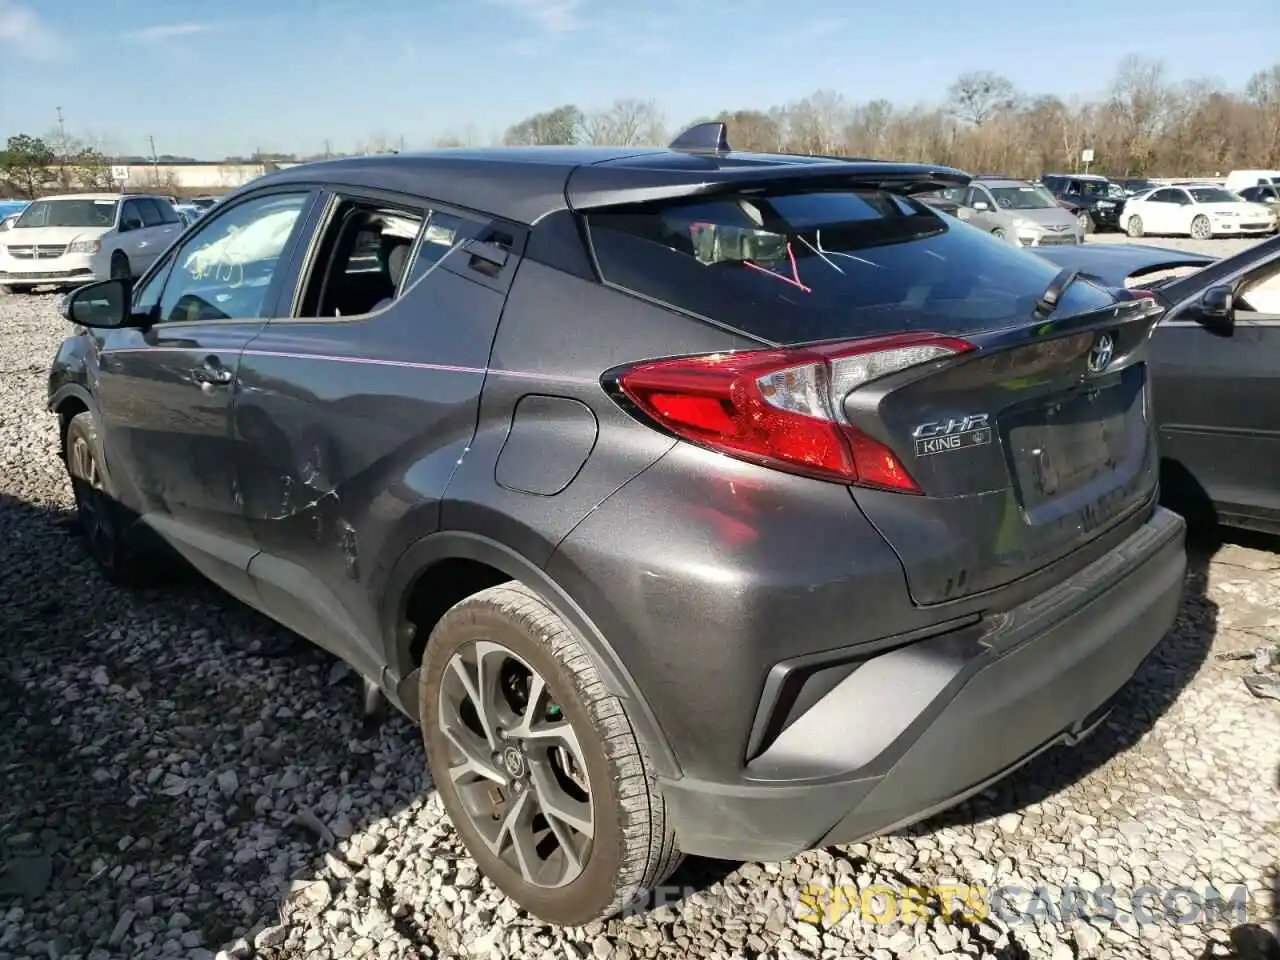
(347, 433)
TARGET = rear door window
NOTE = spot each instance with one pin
(800, 266)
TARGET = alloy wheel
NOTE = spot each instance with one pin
(516, 764)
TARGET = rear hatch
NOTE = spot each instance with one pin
(1025, 450)
(1026, 445)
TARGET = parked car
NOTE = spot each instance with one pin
(1136, 185)
(1199, 212)
(10, 207)
(9, 221)
(68, 240)
(691, 501)
(1021, 213)
(203, 203)
(946, 201)
(1237, 180)
(1268, 195)
(1215, 361)
(189, 213)
(1095, 201)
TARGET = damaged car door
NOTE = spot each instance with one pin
(357, 403)
(164, 385)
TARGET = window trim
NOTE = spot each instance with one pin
(272, 299)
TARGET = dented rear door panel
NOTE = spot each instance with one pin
(348, 431)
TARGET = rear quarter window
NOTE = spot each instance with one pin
(796, 267)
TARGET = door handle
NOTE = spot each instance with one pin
(211, 373)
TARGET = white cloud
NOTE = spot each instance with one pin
(27, 35)
(170, 31)
(552, 16)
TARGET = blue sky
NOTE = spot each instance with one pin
(212, 79)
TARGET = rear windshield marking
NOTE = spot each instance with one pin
(829, 262)
(794, 279)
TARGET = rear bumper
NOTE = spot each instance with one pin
(920, 727)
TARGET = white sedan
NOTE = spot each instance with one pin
(1194, 211)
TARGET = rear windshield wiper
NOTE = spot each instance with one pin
(1052, 296)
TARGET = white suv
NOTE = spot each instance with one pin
(69, 240)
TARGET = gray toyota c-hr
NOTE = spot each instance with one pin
(693, 501)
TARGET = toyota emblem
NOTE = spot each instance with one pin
(1104, 349)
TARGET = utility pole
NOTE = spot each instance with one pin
(62, 131)
(327, 152)
(155, 161)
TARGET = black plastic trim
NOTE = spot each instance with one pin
(778, 699)
(459, 545)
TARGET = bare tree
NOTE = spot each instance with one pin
(626, 123)
(978, 96)
(561, 125)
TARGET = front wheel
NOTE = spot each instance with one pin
(1134, 227)
(1085, 221)
(537, 764)
(1201, 229)
(97, 511)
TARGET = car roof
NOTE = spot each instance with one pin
(1077, 176)
(82, 196)
(1005, 182)
(525, 184)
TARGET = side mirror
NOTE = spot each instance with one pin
(102, 305)
(1218, 306)
(981, 205)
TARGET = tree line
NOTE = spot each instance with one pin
(1144, 124)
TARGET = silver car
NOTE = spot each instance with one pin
(1023, 213)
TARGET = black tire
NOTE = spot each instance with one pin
(101, 520)
(1133, 226)
(120, 269)
(998, 233)
(633, 847)
(17, 288)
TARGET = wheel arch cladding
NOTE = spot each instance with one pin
(68, 406)
(469, 562)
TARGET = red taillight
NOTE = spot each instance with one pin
(785, 408)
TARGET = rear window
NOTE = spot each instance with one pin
(795, 267)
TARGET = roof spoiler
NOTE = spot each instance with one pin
(593, 186)
(712, 137)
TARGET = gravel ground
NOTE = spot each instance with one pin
(181, 777)
(1222, 247)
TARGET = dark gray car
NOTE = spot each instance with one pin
(1215, 356)
(693, 501)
